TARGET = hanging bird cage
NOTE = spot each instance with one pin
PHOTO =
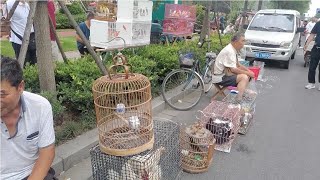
(123, 110)
(197, 147)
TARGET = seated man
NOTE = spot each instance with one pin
(85, 28)
(27, 134)
(228, 71)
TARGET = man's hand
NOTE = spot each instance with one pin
(43, 163)
(250, 74)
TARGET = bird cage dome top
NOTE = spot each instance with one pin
(118, 83)
(121, 83)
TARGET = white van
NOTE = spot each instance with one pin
(273, 34)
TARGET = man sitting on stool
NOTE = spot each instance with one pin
(227, 69)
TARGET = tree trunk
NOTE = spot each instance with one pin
(26, 35)
(260, 4)
(84, 39)
(218, 19)
(64, 57)
(244, 15)
(45, 63)
(205, 24)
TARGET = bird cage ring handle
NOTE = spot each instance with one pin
(120, 59)
(113, 70)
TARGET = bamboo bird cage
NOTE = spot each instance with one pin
(197, 147)
(123, 111)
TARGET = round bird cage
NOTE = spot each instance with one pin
(197, 147)
(123, 110)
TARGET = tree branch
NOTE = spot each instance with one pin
(84, 39)
(26, 35)
(64, 57)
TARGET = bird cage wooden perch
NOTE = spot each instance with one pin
(123, 110)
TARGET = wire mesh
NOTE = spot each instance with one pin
(223, 120)
(248, 106)
(124, 114)
(161, 163)
(197, 147)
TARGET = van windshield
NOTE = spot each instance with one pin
(273, 22)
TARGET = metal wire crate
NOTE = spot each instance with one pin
(248, 106)
(223, 120)
(162, 162)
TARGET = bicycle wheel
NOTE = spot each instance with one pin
(182, 89)
(207, 79)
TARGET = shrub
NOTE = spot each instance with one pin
(57, 108)
(74, 83)
(63, 21)
(74, 8)
(31, 78)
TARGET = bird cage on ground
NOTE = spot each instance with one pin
(161, 163)
(248, 106)
(123, 110)
(223, 120)
(197, 147)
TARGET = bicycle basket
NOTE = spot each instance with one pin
(186, 59)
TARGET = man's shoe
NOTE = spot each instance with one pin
(310, 86)
(319, 88)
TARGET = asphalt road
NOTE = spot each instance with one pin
(283, 141)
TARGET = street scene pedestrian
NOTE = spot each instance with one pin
(85, 28)
(18, 25)
(315, 56)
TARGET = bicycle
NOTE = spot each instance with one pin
(182, 88)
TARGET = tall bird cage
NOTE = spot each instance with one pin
(123, 110)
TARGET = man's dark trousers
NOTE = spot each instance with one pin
(314, 62)
(31, 56)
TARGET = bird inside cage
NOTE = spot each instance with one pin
(220, 128)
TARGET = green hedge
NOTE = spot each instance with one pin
(76, 10)
(63, 21)
(74, 80)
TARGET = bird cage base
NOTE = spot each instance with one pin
(202, 165)
(130, 147)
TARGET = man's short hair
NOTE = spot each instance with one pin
(11, 71)
(90, 15)
(236, 37)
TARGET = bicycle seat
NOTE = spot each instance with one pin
(211, 55)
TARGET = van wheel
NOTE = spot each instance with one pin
(286, 64)
(293, 55)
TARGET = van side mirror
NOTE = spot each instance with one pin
(300, 29)
(245, 26)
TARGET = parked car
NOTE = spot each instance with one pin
(273, 34)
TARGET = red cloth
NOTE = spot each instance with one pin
(51, 10)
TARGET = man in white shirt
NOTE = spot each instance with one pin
(18, 25)
(227, 69)
(310, 26)
(26, 128)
